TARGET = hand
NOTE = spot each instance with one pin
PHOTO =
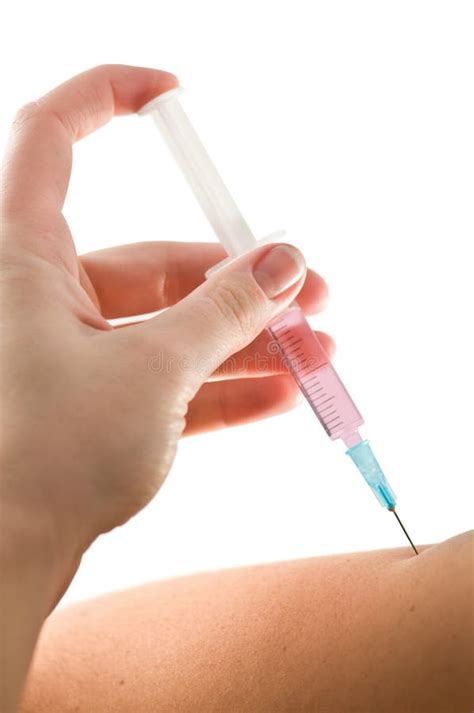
(92, 414)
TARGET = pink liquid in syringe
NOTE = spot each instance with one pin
(315, 375)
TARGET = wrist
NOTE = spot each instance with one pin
(32, 579)
(31, 553)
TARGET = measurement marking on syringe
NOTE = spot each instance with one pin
(275, 331)
(314, 389)
(310, 380)
(295, 349)
(326, 401)
(286, 338)
(334, 419)
(306, 370)
(283, 325)
(297, 345)
(295, 355)
(311, 368)
(325, 409)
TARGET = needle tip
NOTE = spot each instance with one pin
(403, 528)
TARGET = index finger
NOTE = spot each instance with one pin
(39, 153)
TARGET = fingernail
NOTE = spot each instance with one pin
(279, 269)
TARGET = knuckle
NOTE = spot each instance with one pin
(40, 111)
(104, 68)
(25, 112)
(236, 304)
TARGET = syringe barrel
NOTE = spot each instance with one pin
(319, 382)
(206, 183)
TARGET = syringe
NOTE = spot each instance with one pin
(302, 352)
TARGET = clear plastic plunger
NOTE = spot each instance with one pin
(302, 352)
(201, 174)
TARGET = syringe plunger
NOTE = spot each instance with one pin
(200, 172)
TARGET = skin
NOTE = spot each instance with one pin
(379, 631)
(89, 429)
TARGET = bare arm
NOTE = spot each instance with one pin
(380, 631)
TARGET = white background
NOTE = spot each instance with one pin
(350, 124)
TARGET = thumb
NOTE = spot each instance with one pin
(229, 310)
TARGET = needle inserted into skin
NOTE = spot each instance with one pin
(403, 528)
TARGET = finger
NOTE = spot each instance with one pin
(314, 294)
(231, 403)
(39, 153)
(262, 357)
(145, 277)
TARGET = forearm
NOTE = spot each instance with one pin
(31, 581)
(383, 631)
(22, 608)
